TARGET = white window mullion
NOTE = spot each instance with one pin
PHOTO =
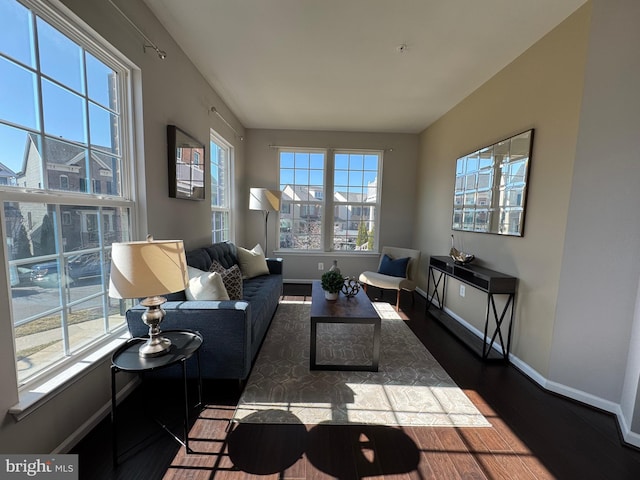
(329, 205)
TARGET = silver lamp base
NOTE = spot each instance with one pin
(157, 344)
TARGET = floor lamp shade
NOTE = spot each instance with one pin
(149, 269)
(264, 199)
(267, 201)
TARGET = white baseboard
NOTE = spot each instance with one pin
(629, 437)
(96, 418)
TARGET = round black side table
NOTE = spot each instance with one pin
(184, 344)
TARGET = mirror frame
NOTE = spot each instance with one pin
(490, 189)
(186, 180)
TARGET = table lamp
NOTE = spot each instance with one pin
(149, 269)
(267, 201)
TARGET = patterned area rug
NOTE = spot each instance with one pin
(410, 388)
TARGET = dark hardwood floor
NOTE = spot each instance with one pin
(534, 434)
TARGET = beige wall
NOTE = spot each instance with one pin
(598, 289)
(398, 191)
(169, 91)
(542, 89)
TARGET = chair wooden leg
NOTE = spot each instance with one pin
(398, 301)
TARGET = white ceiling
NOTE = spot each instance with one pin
(335, 64)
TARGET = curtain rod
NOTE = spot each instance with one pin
(384, 149)
(215, 110)
(161, 53)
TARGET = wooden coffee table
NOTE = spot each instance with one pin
(354, 310)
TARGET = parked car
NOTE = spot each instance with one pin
(78, 266)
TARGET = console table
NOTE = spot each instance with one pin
(492, 283)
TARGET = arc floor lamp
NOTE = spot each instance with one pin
(267, 201)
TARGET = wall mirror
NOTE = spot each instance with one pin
(491, 187)
(186, 165)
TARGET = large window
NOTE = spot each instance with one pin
(63, 110)
(345, 183)
(221, 158)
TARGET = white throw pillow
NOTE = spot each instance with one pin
(252, 262)
(205, 286)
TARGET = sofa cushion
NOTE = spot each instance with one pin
(205, 286)
(231, 277)
(252, 262)
(223, 252)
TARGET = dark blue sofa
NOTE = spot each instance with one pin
(232, 330)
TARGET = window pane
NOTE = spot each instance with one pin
(342, 161)
(16, 147)
(305, 227)
(101, 82)
(341, 179)
(86, 323)
(15, 32)
(316, 161)
(107, 170)
(60, 58)
(38, 344)
(371, 162)
(116, 223)
(103, 127)
(286, 178)
(18, 95)
(286, 160)
(64, 114)
(302, 160)
(354, 227)
(220, 221)
(64, 160)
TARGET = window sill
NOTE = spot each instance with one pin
(38, 394)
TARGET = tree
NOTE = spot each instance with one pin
(22, 243)
(47, 236)
(363, 236)
(370, 240)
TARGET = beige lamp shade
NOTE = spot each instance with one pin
(264, 199)
(148, 268)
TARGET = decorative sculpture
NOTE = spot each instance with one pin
(458, 256)
(351, 287)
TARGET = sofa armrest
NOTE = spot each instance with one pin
(275, 265)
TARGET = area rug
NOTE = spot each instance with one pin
(410, 388)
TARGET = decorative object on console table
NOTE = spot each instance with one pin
(458, 256)
(332, 282)
(186, 165)
(149, 269)
(267, 201)
(489, 281)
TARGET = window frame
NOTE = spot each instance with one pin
(77, 31)
(328, 201)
